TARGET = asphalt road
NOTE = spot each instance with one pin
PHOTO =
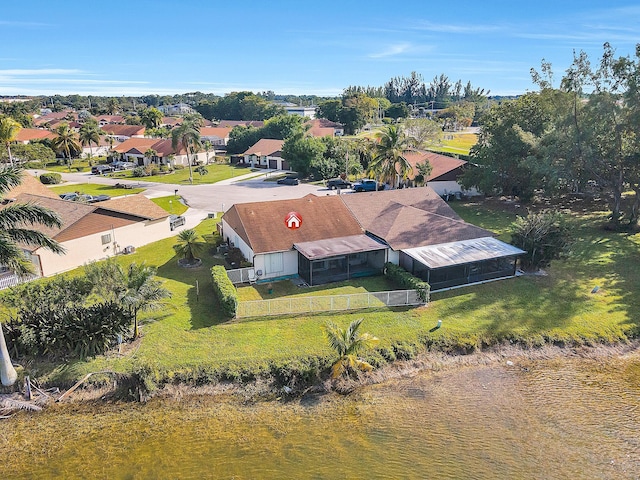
(215, 197)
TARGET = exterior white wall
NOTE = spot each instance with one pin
(230, 236)
(101, 150)
(289, 264)
(90, 248)
(451, 186)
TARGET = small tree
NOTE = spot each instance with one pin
(202, 170)
(189, 245)
(544, 236)
(348, 343)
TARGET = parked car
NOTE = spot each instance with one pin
(176, 221)
(101, 169)
(120, 165)
(335, 183)
(98, 198)
(288, 181)
(68, 196)
(367, 185)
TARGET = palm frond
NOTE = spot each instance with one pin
(28, 214)
(10, 177)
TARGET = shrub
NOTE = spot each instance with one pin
(224, 290)
(178, 167)
(51, 178)
(544, 236)
(404, 279)
(139, 172)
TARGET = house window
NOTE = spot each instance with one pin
(106, 238)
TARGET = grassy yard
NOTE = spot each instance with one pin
(216, 173)
(171, 204)
(95, 189)
(460, 143)
(191, 341)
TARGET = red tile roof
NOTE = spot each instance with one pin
(442, 164)
(265, 147)
(220, 132)
(31, 134)
(124, 130)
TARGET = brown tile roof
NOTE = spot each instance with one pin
(137, 205)
(322, 131)
(162, 146)
(265, 147)
(262, 224)
(220, 132)
(29, 134)
(442, 164)
(124, 130)
(171, 121)
(411, 217)
(110, 118)
(32, 185)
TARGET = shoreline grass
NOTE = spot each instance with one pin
(191, 342)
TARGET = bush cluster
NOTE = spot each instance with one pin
(404, 279)
(51, 178)
(224, 290)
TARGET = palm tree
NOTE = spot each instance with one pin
(202, 170)
(389, 157)
(66, 142)
(189, 245)
(348, 343)
(187, 135)
(136, 287)
(207, 148)
(151, 117)
(90, 133)
(14, 222)
(150, 154)
(144, 292)
(9, 129)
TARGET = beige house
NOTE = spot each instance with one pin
(266, 153)
(135, 150)
(90, 232)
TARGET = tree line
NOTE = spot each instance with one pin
(581, 135)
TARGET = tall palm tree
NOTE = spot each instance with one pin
(90, 133)
(150, 153)
(151, 117)
(66, 142)
(348, 343)
(15, 220)
(187, 135)
(389, 152)
(189, 245)
(9, 129)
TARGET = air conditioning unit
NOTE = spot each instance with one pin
(129, 249)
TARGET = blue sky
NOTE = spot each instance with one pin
(296, 47)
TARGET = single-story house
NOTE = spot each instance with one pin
(445, 174)
(109, 120)
(103, 147)
(91, 232)
(176, 109)
(266, 153)
(217, 136)
(27, 135)
(241, 123)
(123, 132)
(135, 150)
(321, 125)
(346, 236)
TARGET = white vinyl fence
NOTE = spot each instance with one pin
(10, 280)
(242, 275)
(328, 303)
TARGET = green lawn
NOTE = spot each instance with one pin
(191, 341)
(95, 189)
(459, 143)
(217, 172)
(171, 204)
(78, 165)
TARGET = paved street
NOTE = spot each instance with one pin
(211, 198)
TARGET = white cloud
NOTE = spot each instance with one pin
(392, 51)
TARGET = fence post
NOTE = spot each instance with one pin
(407, 297)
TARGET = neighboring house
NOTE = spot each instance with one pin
(109, 120)
(27, 135)
(218, 136)
(46, 120)
(123, 132)
(307, 112)
(135, 149)
(96, 231)
(102, 149)
(177, 109)
(322, 123)
(351, 235)
(266, 153)
(171, 122)
(445, 174)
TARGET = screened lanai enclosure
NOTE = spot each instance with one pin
(459, 263)
(338, 259)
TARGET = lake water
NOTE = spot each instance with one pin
(564, 418)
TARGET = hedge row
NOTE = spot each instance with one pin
(51, 178)
(404, 279)
(224, 290)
